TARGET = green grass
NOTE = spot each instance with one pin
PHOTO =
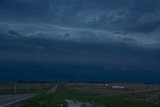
(22, 88)
(63, 93)
(22, 91)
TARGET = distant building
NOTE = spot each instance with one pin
(118, 87)
(106, 84)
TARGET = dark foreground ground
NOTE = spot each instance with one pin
(98, 95)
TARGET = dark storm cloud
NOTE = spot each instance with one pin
(108, 55)
(129, 16)
(121, 15)
(105, 33)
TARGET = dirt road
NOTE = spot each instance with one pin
(53, 89)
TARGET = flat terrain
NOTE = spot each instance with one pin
(106, 88)
(6, 100)
(99, 95)
(13, 93)
(23, 88)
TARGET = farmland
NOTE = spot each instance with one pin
(23, 88)
(99, 95)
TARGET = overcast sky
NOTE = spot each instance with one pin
(136, 19)
(111, 36)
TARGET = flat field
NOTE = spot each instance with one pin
(99, 95)
(23, 88)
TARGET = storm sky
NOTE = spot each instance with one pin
(136, 19)
(115, 35)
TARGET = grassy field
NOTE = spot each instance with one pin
(71, 92)
(21, 88)
(22, 91)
